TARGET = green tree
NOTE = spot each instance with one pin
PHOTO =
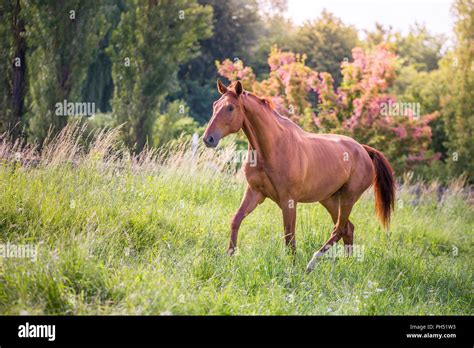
(174, 122)
(419, 48)
(13, 68)
(63, 37)
(236, 24)
(458, 104)
(326, 42)
(151, 41)
(418, 78)
(276, 30)
(98, 86)
(380, 35)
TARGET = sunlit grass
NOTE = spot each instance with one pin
(118, 234)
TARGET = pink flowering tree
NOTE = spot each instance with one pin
(289, 85)
(361, 107)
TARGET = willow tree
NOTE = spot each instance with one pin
(63, 37)
(152, 39)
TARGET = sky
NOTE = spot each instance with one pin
(363, 14)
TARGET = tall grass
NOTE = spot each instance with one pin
(123, 233)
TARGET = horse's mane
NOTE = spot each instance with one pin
(264, 101)
(268, 104)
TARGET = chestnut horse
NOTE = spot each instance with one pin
(294, 166)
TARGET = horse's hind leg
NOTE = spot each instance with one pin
(332, 206)
(340, 207)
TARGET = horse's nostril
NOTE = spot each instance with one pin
(210, 141)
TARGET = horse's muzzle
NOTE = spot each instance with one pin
(211, 141)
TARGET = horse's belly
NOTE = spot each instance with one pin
(315, 192)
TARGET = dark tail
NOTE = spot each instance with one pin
(384, 185)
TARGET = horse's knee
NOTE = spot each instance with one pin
(235, 224)
(236, 221)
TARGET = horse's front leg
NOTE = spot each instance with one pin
(288, 208)
(250, 201)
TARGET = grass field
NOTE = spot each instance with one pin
(123, 235)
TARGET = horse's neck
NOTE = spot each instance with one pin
(261, 128)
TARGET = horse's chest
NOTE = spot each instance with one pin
(259, 180)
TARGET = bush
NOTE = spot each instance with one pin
(173, 123)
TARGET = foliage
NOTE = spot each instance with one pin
(420, 81)
(426, 88)
(133, 58)
(98, 86)
(419, 48)
(13, 70)
(275, 30)
(236, 24)
(355, 108)
(403, 136)
(327, 42)
(173, 123)
(147, 47)
(63, 39)
(458, 107)
(6, 55)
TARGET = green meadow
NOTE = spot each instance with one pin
(118, 234)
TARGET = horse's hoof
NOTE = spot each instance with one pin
(310, 267)
(314, 260)
(230, 251)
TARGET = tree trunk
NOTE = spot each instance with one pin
(19, 72)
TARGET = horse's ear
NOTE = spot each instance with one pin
(220, 87)
(238, 88)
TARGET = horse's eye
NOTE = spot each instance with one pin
(230, 108)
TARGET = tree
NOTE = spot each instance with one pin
(426, 88)
(327, 42)
(458, 104)
(63, 37)
(151, 41)
(236, 24)
(419, 48)
(98, 86)
(276, 30)
(360, 107)
(380, 35)
(13, 72)
(174, 122)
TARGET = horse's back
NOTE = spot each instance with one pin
(338, 143)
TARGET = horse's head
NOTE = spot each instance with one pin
(227, 116)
